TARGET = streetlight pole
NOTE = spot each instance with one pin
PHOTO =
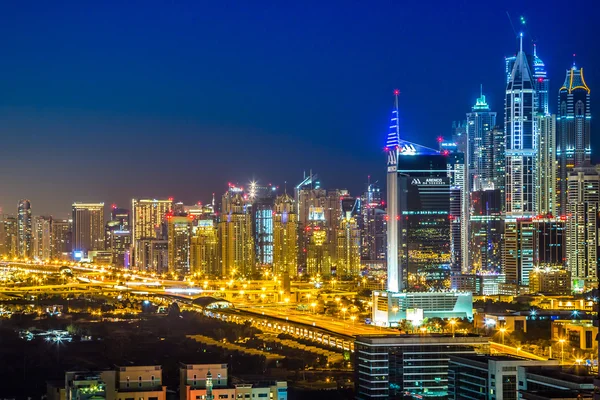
(502, 331)
(562, 351)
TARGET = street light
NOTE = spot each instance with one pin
(344, 312)
(353, 318)
(562, 350)
(452, 323)
(502, 331)
(313, 305)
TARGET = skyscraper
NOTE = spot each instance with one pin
(395, 276)
(520, 128)
(179, 232)
(348, 240)
(88, 228)
(42, 238)
(318, 256)
(546, 165)
(582, 208)
(204, 249)
(373, 225)
(262, 198)
(235, 234)
(61, 239)
(10, 236)
(148, 216)
(479, 157)
(24, 229)
(285, 236)
(573, 128)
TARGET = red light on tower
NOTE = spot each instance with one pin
(440, 139)
(396, 92)
(114, 206)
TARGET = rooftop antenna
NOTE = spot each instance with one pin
(574, 60)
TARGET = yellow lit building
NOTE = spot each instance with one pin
(204, 249)
(550, 281)
(147, 216)
(235, 234)
(179, 232)
(348, 247)
(318, 259)
(285, 236)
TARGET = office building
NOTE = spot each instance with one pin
(119, 244)
(373, 225)
(211, 381)
(204, 249)
(316, 234)
(482, 284)
(88, 228)
(479, 157)
(573, 129)
(555, 382)
(263, 199)
(24, 229)
(579, 334)
(392, 366)
(139, 382)
(550, 280)
(235, 234)
(472, 376)
(153, 255)
(89, 385)
(285, 236)
(10, 237)
(121, 215)
(582, 208)
(520, 128)
(347, 256)
(459, 135)
(179, 233)
(148, 217)
(61, 239)
(487, 227)
(546, 161)
(42, 238)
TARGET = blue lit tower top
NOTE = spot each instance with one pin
(393, 138)
(542, 83)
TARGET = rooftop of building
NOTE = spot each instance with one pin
(430, 338)
(579, 374)
(484, 358)
(554, 394)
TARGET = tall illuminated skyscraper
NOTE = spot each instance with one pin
(583, 208)
(179, 233)
(573, 128)
(395, 276)
(546, 165)
(520, 128)
(285, 236)
(373, 225)
(262, 198)
(204, 249)
(42, 238)
(318, 257)
(61, 239)
(147, 216)
(24, 229)
(88, 228)
(479, 157)
(235, 234)
(348, 240)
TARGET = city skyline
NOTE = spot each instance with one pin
(153, 131)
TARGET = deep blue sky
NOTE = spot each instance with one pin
(105, 101)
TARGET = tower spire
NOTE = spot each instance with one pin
(393, 138)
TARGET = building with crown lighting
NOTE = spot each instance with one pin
(479, 156)
(572, 129)
(236, 234)
(424, 197)
(285, 236)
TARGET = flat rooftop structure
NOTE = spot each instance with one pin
(399, 340)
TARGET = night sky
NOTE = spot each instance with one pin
(105, 101)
